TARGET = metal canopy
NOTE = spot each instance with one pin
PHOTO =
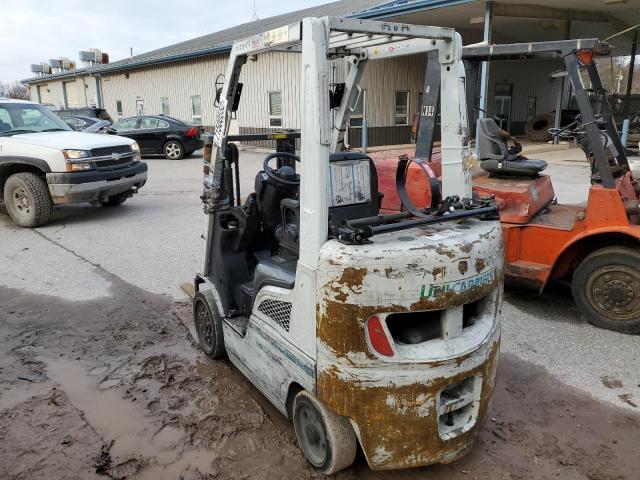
(346, 36)
(537, 50)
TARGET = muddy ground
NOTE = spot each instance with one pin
(115, 388)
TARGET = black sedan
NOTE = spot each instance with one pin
(160, 135)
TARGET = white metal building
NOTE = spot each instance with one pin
(179, 79)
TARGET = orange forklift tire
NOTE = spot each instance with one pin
(326, 439)
(606, 289)
(208, 323)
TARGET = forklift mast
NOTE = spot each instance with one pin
(358, 42)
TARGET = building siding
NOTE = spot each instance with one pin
(279, 71)
(530, 78)
(177, 81)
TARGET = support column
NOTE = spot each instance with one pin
(484, 68)
(562, 83)
(634, 49)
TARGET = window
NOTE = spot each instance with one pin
(196, 109)
(149, 123)
(360, 110)
(275, 109)
(165, 105)
(129, 124)
(401, 116)
(28, 118)
(120, 115)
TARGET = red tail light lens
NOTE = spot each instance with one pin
(192, 132)
(378, 337)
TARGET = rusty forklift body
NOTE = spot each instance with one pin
(369, 329)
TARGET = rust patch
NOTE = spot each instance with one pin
(466, 248)
(463, 266)
(480, 264)
(438, 272)
(407, 434)
(388, 271)
(352, 277)
(442, 250)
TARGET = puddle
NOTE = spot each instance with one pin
(110, 415)
(190, 460)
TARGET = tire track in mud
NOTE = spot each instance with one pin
(114, 388)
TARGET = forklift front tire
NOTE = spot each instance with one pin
(326, 439)
(208, 323)
(606, 289)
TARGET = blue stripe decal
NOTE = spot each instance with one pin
(309, 370)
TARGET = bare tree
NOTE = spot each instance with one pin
(17, 90)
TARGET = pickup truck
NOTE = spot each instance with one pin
(43, 163)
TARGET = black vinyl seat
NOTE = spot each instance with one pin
(500, 160)
(274, 271)
(280, 270)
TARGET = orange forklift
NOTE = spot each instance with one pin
(593, 246)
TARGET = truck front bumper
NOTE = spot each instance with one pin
(95, 184)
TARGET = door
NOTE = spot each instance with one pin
(126, 128)
(72, 94)
(139, 107)
(45, 96)
(502, 105)
(150, 134)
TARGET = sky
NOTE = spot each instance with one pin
(33, 31)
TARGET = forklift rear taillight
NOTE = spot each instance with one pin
(378, 337)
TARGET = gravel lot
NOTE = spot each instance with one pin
(98, 374)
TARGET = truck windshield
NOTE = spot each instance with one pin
(16, 118)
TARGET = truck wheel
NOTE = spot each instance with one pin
(27, 198)
(114, 201)
(537, 129)
(173, 150)
(606, 289)
(208, 323)
(326, 439)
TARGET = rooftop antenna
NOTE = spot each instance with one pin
(255, 16)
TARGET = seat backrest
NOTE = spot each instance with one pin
(353, 187)
(492, 141)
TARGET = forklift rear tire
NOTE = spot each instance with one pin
(606, 289)
(208, 323)
(326, 439)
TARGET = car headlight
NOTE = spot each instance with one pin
(135, 148)
(74, 159)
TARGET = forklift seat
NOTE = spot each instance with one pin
(274, 271)
(354, 194)
(500, 160)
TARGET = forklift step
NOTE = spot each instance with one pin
(238, 324)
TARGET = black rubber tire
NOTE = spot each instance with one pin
(605, 285)
(37, 207)
(208, 323)
(537, 128)
(326, 439)
(173, 146)
(114, 201)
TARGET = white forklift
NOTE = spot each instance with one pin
(369, 329)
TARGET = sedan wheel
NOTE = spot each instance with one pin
(173, 151)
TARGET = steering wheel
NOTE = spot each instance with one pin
(272, 173)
